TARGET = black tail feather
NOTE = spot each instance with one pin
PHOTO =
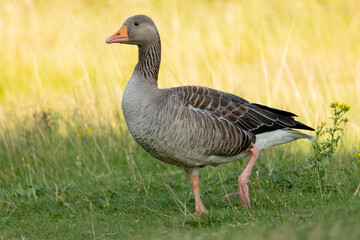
(285, 121)
(300, 125)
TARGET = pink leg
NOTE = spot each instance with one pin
(243, 179)
(199, 206)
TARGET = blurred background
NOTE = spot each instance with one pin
(294, 55)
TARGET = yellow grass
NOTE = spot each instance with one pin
(294, 55)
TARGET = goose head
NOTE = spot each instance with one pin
(137, 30)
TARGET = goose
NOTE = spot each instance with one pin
(193, 126)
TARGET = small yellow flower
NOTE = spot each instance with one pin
(334, 104)
(344, 107)
(359, 155)
(89, 131)
(323, 123)
(85, 132)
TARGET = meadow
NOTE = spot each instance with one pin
(70, 169)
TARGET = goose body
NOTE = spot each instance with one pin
(193, 126)
(196, 134)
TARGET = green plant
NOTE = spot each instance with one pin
(325, 145)
(314, 173)
(327, 138)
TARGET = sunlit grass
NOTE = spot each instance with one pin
(294, 55)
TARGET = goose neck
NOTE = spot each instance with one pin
(149, 61)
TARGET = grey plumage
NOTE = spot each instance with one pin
(192, 126)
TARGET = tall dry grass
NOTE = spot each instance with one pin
(294, 55)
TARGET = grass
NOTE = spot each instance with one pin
(97, 183)
(69, 191)
(69, 168)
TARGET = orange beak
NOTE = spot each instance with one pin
(119, 37)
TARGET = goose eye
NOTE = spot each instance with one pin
(136, 23)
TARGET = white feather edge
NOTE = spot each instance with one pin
(269, 139)
(263, 141)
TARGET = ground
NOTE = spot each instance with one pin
(87, 188)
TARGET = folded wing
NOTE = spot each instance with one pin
(249, 117)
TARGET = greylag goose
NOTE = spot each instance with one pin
(191, 126)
